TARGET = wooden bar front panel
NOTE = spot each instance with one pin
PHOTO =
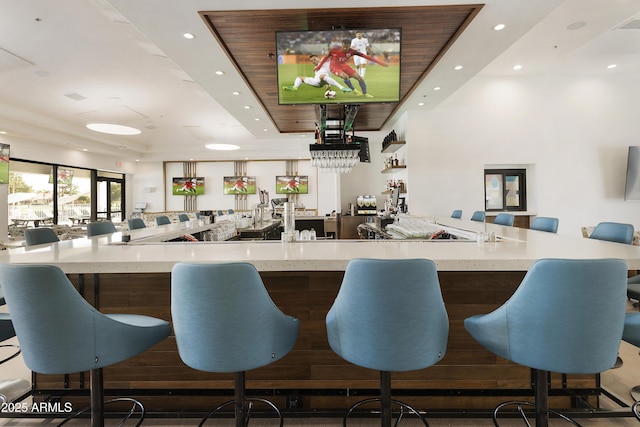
(312, 364)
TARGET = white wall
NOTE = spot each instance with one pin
(149, 185)
(574, 132)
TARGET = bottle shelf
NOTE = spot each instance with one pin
(393, 168)
(390, 192)
(393, 146)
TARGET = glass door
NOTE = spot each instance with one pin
(110, 203)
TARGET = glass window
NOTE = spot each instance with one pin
(30, 198)
(35, 197)
(505, 189)
(74, 195)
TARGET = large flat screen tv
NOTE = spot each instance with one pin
(239, 185)
(632, 187)
(292, 184)
(326, 67)
(187, 186)
(4, 163)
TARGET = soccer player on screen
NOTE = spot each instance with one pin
(189, 186)
(361, 44)
(340, 56)
(241, 185)
(292, 185)
(322, 77)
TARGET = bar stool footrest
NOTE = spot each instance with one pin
(250, 400)
(132, 411)
(521, 411)
(394, 402)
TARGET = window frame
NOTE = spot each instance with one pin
(522, 192)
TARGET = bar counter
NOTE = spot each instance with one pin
(516, 250)
(303, 278)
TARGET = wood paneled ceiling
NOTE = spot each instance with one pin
(248, 37)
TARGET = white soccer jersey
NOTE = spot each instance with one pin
(315, 80)
(361, 46)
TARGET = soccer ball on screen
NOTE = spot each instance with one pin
(330, 94)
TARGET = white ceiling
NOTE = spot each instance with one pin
(64, 64)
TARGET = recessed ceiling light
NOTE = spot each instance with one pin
(458, 67)
(220, 73)
(236, 92)
(499, 27)
(576, 26)
(610, 66)
(85, 149)
(266, 130)
(247, 107)
(436, 88)
(517, 67)
(113, 129)
(188, 36)
(3, 132)
(420, 104)
(222, 147)
(257, 119)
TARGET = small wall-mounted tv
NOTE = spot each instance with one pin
(632, 186)
(291, 184)
(334, 68)
(239, 185)
(186, 186)
(4, 163)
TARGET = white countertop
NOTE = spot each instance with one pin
(516, 251)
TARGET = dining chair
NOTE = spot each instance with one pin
(504, 219)
(542, 223)
(39, 236)
(99, 228)
(613, 232)
(478, 216)
(162, 220)
(136, 223)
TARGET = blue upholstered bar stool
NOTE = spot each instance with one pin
(389, 315)
(456, 213)
(618, 233)
(633, 288)
(504, 219)
(478, 216)
(136, 223)
(225, 321)
(6, 332)
(162, 220)
(61, 333)
(183, 217)
(566, 316)
(39, 236)
(99, 228)
(544, 223)
(10, 389)
(631, 334)
(613, 232)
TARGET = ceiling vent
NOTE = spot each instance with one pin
(633, 24)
